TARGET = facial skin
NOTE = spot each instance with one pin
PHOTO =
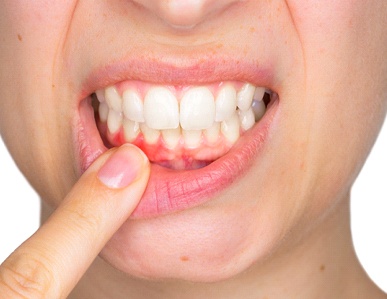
(329, 68)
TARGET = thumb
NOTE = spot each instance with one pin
(51, 262)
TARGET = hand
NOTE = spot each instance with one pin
(51, 262)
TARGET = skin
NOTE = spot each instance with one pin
(291, 231)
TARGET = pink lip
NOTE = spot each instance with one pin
(168, 190)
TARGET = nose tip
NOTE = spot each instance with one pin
(185, 13)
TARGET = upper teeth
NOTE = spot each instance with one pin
(163, 111)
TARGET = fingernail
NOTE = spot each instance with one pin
(123, 167)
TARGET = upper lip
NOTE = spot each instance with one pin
(196, 71)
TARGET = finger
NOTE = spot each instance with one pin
(51, 262)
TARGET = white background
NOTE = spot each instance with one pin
(19, 210)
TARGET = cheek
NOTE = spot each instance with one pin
(32, 34)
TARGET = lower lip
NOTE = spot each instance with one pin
(170, 190)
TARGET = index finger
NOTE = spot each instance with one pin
(51, 262)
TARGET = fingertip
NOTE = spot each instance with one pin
(123, 167)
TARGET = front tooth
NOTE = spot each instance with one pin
(114, 121)
(171, 137)
(212, 133)
(161, 110)
(113, 99)
(131, 130)
(245, 96)
(197, 109)
(132, 106)
(100, 95)
(230, 128)
(151, 136)
(226, 103)
(103, 110)
(246, 119)
(192, 138)
(259, 109)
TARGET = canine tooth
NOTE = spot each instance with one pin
(246, 119)
(171, 137)
(132, 106)
(245, 96)
(131, 130)
(259, 109)
(114, 121)
(161, 110)
(103, 111)
(151, 136)
(100, 95)
(197, 109)
(259, 93)
(212, 133)
(230, 128)
(225, 103)
(192, 138)
(113, 99)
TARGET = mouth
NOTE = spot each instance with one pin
(199, 138)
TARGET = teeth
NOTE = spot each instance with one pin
(171, 137)
(246, 119)
(114, 121)
(197, 109)
(245, 96)
(131, 130)
(100, 95)
(192, 139)
(103, 110)
(259, 109)
(225, 103)
(230, 128)
(259, 93)
(113, 99)
(161, 110)
(212, 133)
(133, 106)
(199, 119)
(151, 136)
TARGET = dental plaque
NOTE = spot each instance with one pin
(179, 127)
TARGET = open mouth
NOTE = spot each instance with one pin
(179, 127)
(199, 138)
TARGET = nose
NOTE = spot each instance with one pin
(185, 13)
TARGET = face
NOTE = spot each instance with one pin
(188, 82)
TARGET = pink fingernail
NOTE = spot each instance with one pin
(122, 167)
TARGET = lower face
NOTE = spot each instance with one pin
(247, 117)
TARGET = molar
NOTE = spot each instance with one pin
(259, 109)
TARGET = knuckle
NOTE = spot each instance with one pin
(26, 276)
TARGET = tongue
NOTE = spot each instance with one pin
(180, 157)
